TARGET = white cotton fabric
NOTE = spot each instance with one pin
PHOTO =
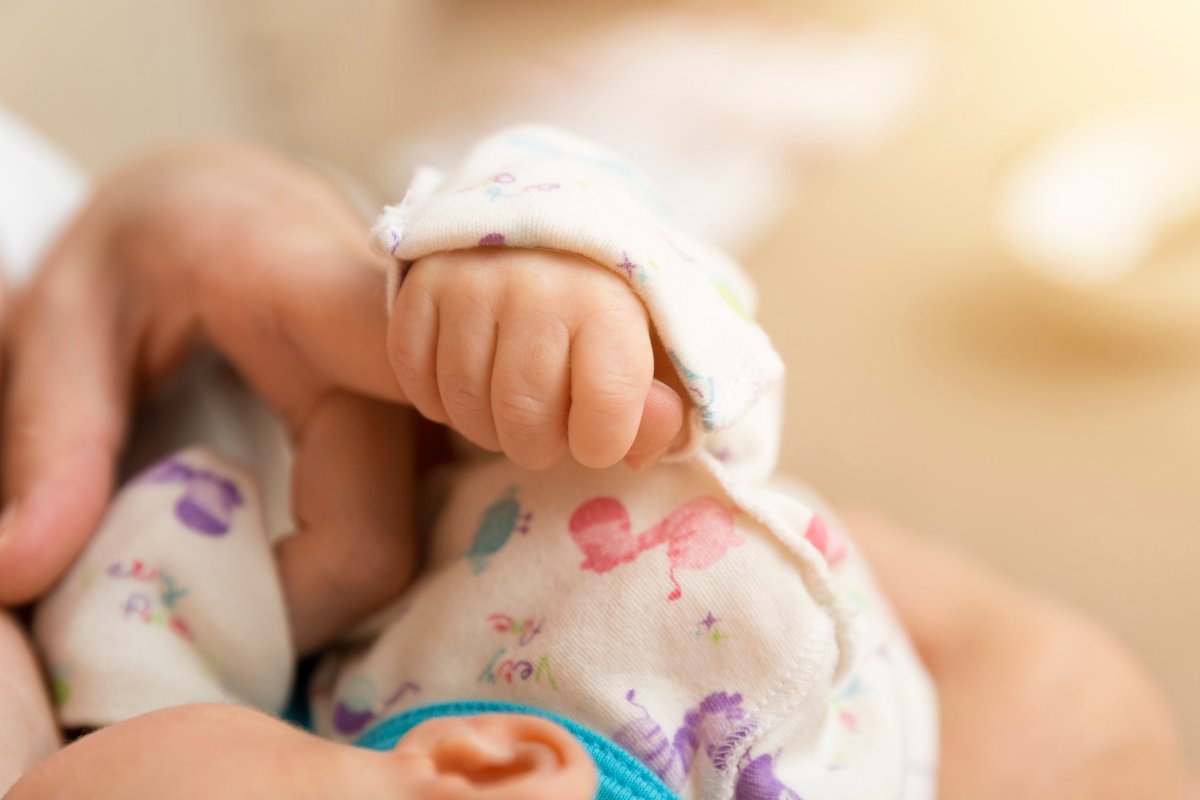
(175, 600)
(714, 626)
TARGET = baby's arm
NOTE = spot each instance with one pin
(521, 296)
(28, 733)
(534, 353)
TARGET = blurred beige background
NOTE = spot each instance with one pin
(1055, 435)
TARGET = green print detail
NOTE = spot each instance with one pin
(500, 521)
(732, 300)
(60, 688)
(88, 575)
(172, 593)
(544, 664)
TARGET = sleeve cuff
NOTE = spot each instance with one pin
(537, 187)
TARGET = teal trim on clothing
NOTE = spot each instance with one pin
(622, 777)
(298, 711)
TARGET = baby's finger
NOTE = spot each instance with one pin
(466, 349)
(612, 365)
(64, 421)
(531, 388)
(412, 341)
(661, 425)
(355, 549)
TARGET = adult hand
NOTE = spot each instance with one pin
(265, 261)
(1036, 702)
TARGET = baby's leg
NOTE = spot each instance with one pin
(28, 733)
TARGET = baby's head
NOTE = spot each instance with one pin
(204, 751)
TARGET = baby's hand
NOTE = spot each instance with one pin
(533, 353)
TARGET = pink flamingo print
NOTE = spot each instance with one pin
(696, 534)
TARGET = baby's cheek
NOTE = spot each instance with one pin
(355, 773)
(204, 752)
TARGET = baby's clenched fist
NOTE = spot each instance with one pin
(534, 353)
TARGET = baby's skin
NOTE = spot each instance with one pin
(197, 752)
(536, 354)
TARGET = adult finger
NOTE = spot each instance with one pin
(531, 388)
(64, 420)
(355, 547)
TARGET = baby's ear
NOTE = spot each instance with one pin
(502, 757)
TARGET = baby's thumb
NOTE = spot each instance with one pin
(660, 429)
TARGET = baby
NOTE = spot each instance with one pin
(693, 629)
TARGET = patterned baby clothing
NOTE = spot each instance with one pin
(704, 618)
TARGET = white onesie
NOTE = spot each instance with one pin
(706, 621)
